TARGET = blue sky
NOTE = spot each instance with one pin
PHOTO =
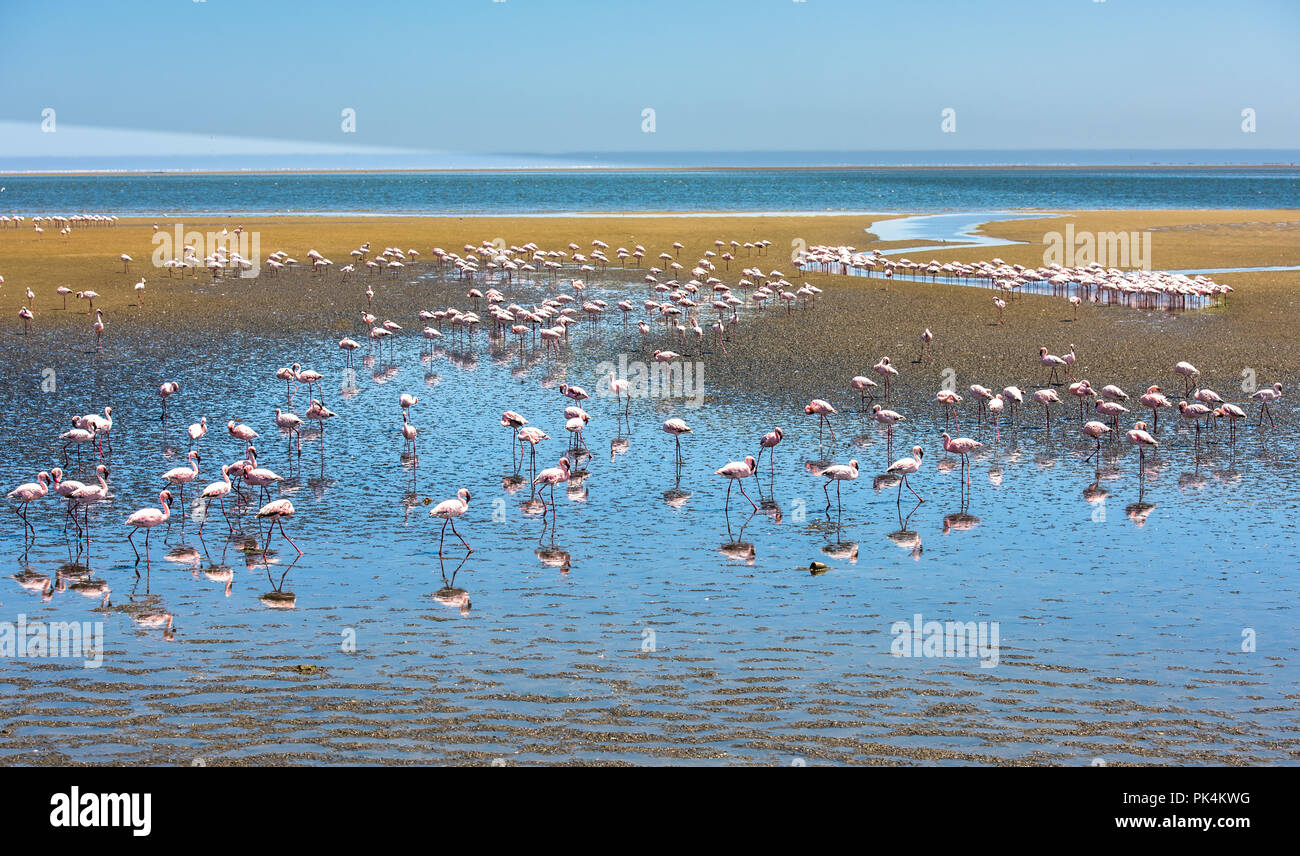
(538, 76)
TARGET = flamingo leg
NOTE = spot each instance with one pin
(458, 535)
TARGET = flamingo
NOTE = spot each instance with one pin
(147, 519)
(1265, 397)
(996, 404)
(552, 476)
(181, 476)
(531, 436)
(409, 432)
(887, 418)
(1233, 413)
(886, 370)
(292, 423)
(823, 409)
(677, 427)
(448, 510)
(218, 490)
(1096, 430)
(98, 327)
(1000, 304)
(620, 388)
(1048, 397)
(926, 338)
(88, 494)
(1153, 399)
(28, 493)
(317, 412)
(905, 467)
(737, 472)
(1194, 413)
(1139, 437)
(838, 473)
(276, 511)
(242, 432)
(197, 430)
(769, 441)
(26, 315)
(864, 386)
(166, 391)
(1190, 375)
(577, 393)
(1081, 390)
(962, 446)
(1052, 362)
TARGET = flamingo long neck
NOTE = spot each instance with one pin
(166, 511)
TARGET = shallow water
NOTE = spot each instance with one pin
(649, 624)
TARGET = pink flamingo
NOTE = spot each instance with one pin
(949, 400)
(619, 389)
(1052, 362)
(823, 409)
(888, 418)
(514, 422)
(28, 493)
(242, 432)
(1048, 397)
(996, 404)
(838, 473)
(1140, 438)
(1096, 430)
(962, 446)
(181, 476)
(926, 338)
(552, 476)
(448, 510)
(737, 472)
(769, 441)
(905, 467)
(532, 436)
(1265, 397)
(98, 327)
(1153, 399)
(276, 511)
(677, 427)
(886, 370)
(89, 494)
(1081, 390)
(864, 386)
(166, 391)
(147, 519)
(1233, 413)
(197, 430)
(1194, 413)
(218, 490)
(577, 393)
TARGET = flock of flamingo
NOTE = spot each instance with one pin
(1093, 282)
(673, 305)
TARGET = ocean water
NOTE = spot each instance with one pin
(654, 190)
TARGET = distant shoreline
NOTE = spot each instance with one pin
(601, 169)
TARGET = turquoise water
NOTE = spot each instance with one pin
(557, 192)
